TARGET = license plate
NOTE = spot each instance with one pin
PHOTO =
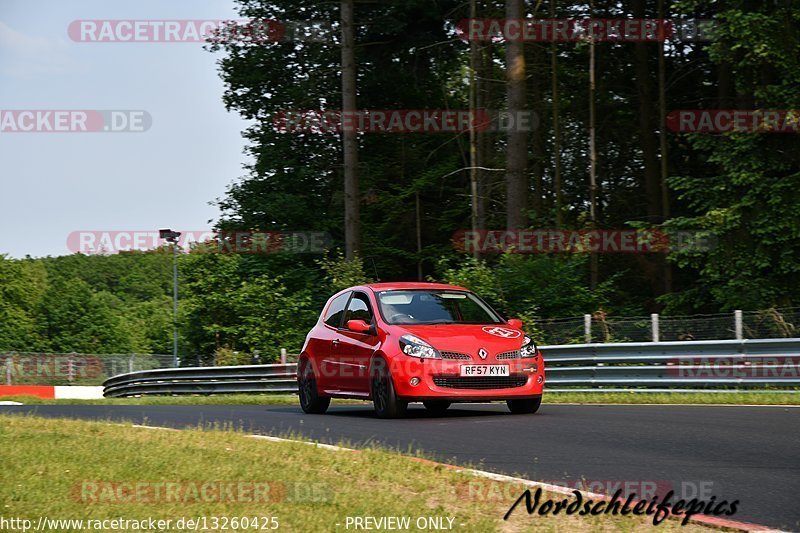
(484, 370)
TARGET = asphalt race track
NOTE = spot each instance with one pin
(747, 453)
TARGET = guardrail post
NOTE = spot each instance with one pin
(9, 362)
(737, 322)
(654, 325)
(283, 356)
(587, 328)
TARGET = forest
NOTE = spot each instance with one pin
(600, 135)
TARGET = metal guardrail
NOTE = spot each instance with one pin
(678, 366)
(709, 366)
(278, 378)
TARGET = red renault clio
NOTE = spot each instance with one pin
(395, 343)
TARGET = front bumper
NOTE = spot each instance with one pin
(441, 380)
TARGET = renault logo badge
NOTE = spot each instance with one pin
(482, 353)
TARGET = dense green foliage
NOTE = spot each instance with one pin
(86, 304)
(748, 189)
(232, 307)
(739, 188)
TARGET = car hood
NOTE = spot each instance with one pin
(469, 338)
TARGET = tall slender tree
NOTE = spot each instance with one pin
(474, 58)
(517, 149)
(557, 185)
(662, 142)
(594, 267)
(647, 138)
(352, 233)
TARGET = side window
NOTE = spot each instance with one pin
(359, 308)
(333, 316)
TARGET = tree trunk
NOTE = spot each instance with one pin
(724, 85)
(517, 150)
(474, 59)
(662, 123)
(647, 138)
(649, 143)
(349, 138)
(594, 266)
(662, 141)
(537, 134)
(485, 139)
(556, 126)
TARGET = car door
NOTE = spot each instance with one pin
(356, 348)
(330, 378)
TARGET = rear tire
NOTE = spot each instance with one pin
(310, 400)
(524, 407)
(436, 407)
(384, 397)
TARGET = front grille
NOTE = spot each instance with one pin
(481, 382)
(507, 355)
(455, 355)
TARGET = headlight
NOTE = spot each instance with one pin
(416, 347)
(528, 348)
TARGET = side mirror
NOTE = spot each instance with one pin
(358, 326)
(515, 323)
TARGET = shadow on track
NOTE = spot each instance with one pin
(415, 412)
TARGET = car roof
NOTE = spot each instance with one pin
(398, 286)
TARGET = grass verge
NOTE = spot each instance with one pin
(68, 469)
(222, 399)
(641, 397)
(700, 398)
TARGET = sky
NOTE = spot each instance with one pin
(53, 184)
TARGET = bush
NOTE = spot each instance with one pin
(226, 357)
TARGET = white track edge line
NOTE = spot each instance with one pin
(315, 444)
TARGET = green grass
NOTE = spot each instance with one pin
(53, 467)
(222, 399)
(644, 397)
(641, 397)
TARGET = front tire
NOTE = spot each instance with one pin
(310, 400)
(384, 397)
(524, 407)
(436, 407)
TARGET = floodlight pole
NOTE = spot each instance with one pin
(175, 304)
(172, 238)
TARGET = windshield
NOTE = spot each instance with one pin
(435, 307)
